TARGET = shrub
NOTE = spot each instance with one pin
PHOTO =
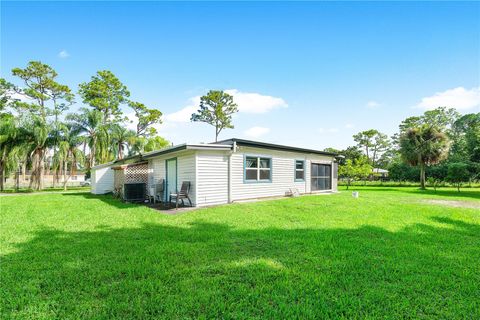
(458, 173)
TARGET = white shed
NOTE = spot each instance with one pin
(102, 178)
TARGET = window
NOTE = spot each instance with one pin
(258, 169)
(299, 170)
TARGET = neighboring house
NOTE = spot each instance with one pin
(381, 173)
(225, 171)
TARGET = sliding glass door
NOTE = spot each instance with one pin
(321, 175)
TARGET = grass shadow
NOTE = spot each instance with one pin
(119, 204)
(106, 198)
(210, 270)
(465, 193)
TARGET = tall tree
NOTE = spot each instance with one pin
(467, 142)
(38, 132)
(70, 155)
(441, 118)
(121, 138)
(156, 143)
(216, 109)
(8, 141)
(8, 128)
(142, 144)
(373, 142)
(62, 99)
(146, 118)
(423, 146)
(42, 90)
(6, 94)
(350, 153)
(88, 123)
(105, 93)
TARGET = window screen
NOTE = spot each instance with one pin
(299, 170)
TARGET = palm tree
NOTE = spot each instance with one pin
(142, 144)
(156, 143)
(89, 123)
(121, 139)
(69, 155)
(58, 129)
(7, 135)
(35, 138)
(423, 146)
(11, 146)
(137, 145)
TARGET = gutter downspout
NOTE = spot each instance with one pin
(234, 149)
(305, 174)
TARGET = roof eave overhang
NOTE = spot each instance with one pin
(248, 143)
(126, 165)
(184, 147)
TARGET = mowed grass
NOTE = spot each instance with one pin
(389, 254)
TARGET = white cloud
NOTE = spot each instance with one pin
(329, 130)
(63, 54)
(250, 102)
(458, 98)
(131, 123)
(349, 126)
(372, 104)
(182, 115)
(247, 102)
(256, 132)
(21, 97)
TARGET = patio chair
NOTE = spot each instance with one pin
(155, 192)
(183, 194)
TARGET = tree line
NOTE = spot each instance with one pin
(39, 132)
(441, 145)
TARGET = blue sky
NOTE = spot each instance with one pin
(305, 74)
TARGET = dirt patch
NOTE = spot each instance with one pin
(455, 203)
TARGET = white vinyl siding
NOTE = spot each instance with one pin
(208, 172)
(102, 180)
(185, 170)
(282, 170)
(212, 178)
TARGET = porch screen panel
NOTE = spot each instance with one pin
(321, 176)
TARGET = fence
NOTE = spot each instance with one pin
(48, 181)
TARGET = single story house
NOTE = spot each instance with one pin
(225, 171)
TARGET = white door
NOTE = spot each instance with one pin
(171, 180)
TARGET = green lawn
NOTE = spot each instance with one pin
(388, 254)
